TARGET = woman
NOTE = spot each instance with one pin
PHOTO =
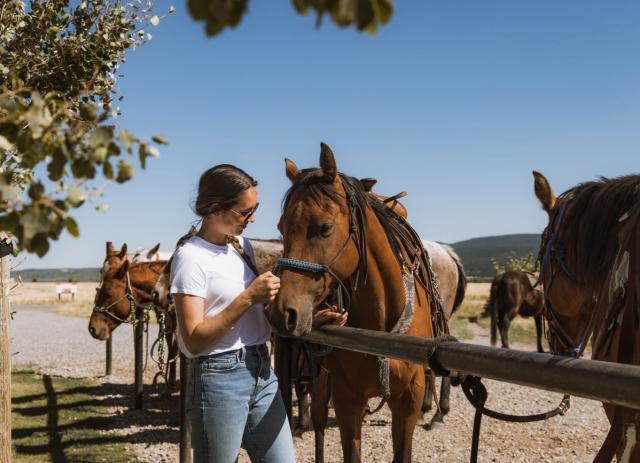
(232, 395)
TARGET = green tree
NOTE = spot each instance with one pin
(526, 263)
(59, 68)
(365, 15)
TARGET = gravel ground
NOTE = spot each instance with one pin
(62, 346)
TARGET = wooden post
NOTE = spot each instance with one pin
(138, 348)
(185, 435)
(109, 366)
(5, 355)
(283, 372)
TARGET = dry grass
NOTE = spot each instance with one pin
(44, 294)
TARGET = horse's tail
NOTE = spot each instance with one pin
(461, 287)
(492, 308)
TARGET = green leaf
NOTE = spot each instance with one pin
(142, 153)
(5, 144)
(36, 190)
(72, 226)
(107, 170)
(99, 155)
(125, 171)
(76, 196)
(127, 138)
(88, 111)
(101, 136)
(33, 222)
(40, 244)
(160, 140)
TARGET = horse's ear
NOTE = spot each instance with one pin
(123, 251)
(543, 190)
(368, 183)
(328, 162)
(152, 252)
(122, 271)
(291, 170)
(111, 249)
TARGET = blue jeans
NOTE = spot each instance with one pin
(232, 400)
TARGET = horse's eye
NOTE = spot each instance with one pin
(326, 229)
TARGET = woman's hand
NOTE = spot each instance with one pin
(331, 315)
(264, 288)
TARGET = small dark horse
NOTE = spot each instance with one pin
(513, 294)
(590, 268)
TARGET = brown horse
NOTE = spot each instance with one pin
(113, 289)
(513, 294)
(590, 266)
(337, 236)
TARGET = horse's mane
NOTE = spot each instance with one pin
(401, 236)
(590, 223)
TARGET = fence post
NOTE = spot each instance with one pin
(185, 436)
(139, 356)
(109, 363)
(5, 346)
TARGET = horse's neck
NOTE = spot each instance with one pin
(144, 277)
(379, 303)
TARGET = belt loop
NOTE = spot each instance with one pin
(242, 354)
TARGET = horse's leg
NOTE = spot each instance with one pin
(405, 408)
(538, 320)
(349, 409)
(320, 411)
(427, 403)
(304, 401)
(504, 330)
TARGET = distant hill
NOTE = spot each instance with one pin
(58, 274)
(476, 253)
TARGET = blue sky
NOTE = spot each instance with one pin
(454, 102)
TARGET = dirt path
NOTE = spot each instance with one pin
(62, 346)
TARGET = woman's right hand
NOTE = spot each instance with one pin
(264, 288)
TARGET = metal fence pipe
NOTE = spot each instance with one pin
(614, 383)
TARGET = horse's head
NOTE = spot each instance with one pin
(319, 230)
(112, 304)
(566, 300)
(113, 259)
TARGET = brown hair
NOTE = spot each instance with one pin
(220, 188)
(222, 184)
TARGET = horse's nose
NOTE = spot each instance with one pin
(92, 330)
(290, 319)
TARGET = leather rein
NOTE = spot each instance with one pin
(552, 251)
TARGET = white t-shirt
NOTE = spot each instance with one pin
(217, 274)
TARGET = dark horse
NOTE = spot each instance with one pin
(337, 237)
(512, 293)
(590, 269)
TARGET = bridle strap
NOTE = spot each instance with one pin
(128, 294)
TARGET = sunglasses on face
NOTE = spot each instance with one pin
(246, 214)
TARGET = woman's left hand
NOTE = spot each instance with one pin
(331, 315)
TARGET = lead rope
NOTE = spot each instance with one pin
(476, 394)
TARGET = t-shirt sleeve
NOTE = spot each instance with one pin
(187, 277)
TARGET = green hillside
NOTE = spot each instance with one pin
(476, 253)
